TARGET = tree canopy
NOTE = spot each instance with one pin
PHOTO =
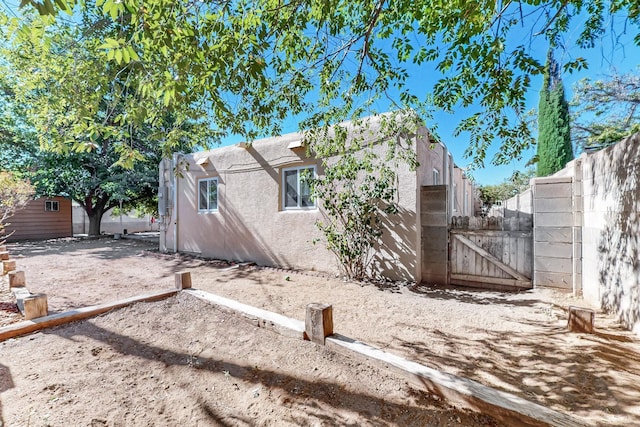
(605, 110)
(246, 65)
(106, 158)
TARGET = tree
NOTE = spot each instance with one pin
(554, 129)
(510, 187)
(15, 193)
(605, 111)
(114, 160)
(249, 64)
(358, 187)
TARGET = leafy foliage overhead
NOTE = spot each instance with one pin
(248, 64)
(605, 111)
(60, 90)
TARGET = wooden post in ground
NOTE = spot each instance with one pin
(581, 319)
(17, 279)
(183, 280)
(35, 306)
(8, 265)
(318, 322)
(4, 255)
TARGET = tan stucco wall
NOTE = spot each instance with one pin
(251, 226)
(463, 198)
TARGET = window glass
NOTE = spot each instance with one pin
(213, 195)
(305, 188)
(208, 194)
(51, 206)
(204, 185)
(291, 188)
(297, 187)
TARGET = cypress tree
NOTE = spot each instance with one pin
(554, 135)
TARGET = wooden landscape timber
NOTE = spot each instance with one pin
(183, 280)
(318, 323)
(26, 327)
(506, 407)
(8, 265)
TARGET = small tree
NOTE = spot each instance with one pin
(515, 184)
(355, 193)
(554, 130)
(15, 193)
(358, 187)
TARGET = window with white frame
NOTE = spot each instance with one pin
(208, 195)
(51, 206)
(436, 177)
(296, 188)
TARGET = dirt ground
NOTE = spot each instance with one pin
(181, 361)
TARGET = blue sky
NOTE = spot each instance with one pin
(614, 52)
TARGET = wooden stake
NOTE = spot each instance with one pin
(35, 306)
(318, 322)
(16, 279)
(581, 319)
(8, 265)
(183, 280)
(4, 255)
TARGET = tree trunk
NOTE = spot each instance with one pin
(95, 220)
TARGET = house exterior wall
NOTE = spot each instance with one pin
(251, 225)
(34, 223)
(462, 194)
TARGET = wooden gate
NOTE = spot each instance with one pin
(492, 252)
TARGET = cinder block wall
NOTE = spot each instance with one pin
(592, 244)
(611, 230)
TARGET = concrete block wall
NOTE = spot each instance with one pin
(587, 229)
(611, 230)
(111, 224)
(552, 232)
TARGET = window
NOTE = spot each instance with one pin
(436, 177)
(208, 195)
(51, 206)
(296, 191)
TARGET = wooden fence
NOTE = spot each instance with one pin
(493, 252)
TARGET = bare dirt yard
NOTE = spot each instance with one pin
(182, 362)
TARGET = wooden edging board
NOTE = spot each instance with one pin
(506, 407)
(22, 328)
(261, 318)
(511, 409)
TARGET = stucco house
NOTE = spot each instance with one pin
(246, 202)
